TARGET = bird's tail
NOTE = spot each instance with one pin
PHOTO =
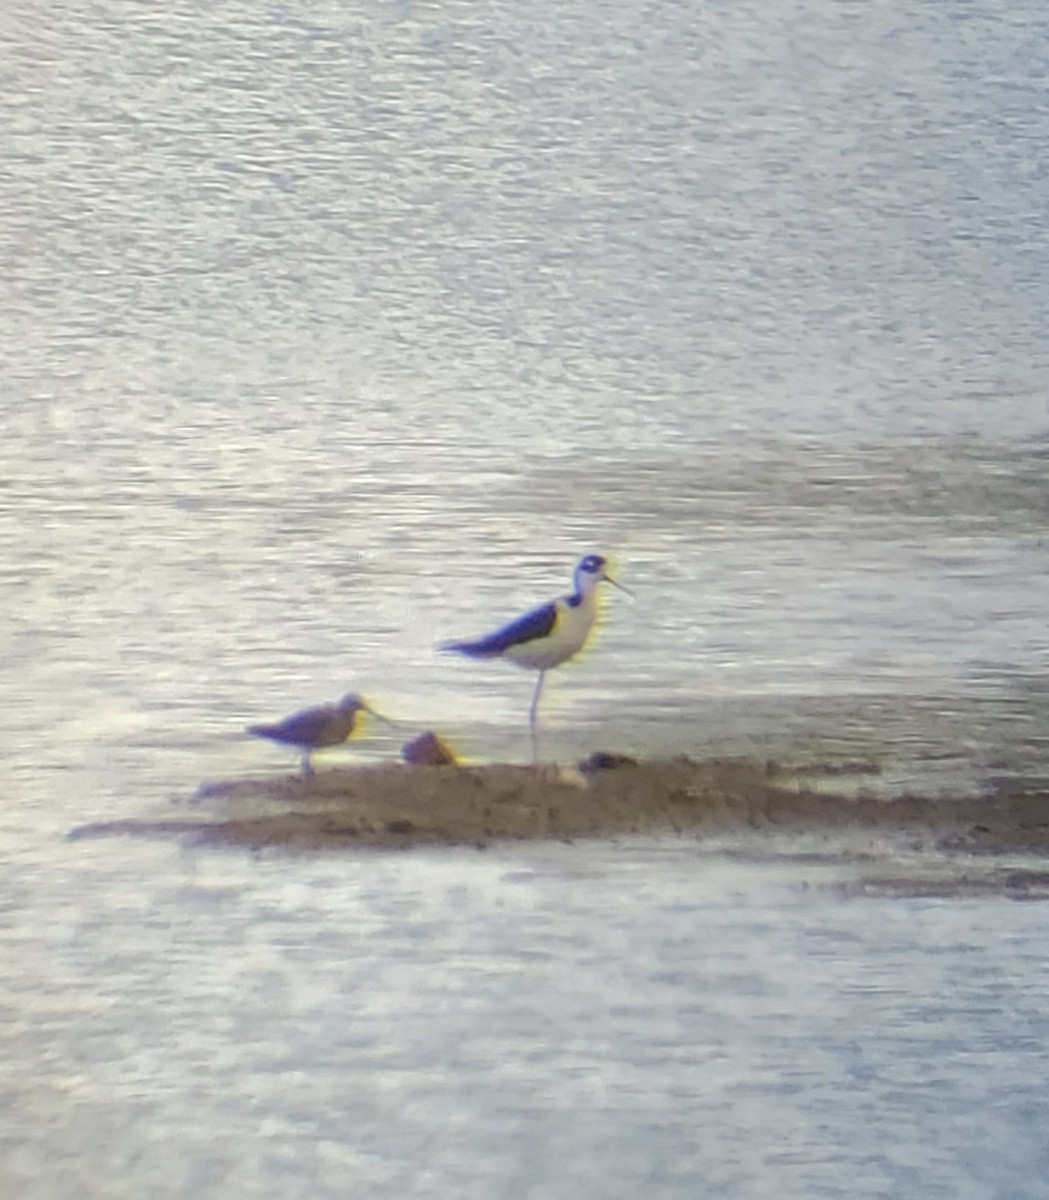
(470, 649)
(262, 731)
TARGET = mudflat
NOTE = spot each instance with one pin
(398, 805)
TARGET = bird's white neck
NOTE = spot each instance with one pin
(585, 583)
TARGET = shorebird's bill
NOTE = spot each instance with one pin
(387, 720)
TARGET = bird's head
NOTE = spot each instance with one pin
(353, 703)
(592, 570)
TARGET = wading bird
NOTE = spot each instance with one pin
(313, 728)
(548, 635)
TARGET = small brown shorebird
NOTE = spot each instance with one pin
(313, 728)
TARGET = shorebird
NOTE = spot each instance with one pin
(312, 728)
(548, 635)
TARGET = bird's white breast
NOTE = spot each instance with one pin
(566, 639)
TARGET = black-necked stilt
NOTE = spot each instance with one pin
(313, 728)
(548, 635)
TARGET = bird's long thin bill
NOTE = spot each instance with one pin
(385, 720)
(617, 584)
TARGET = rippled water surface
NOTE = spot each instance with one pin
(331, 331)
(555, 1022)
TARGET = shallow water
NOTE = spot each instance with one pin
(551, 1021)
(335, 335)
(333, 332)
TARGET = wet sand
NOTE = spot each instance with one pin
(401, 806)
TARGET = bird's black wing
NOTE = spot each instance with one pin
(535, 624)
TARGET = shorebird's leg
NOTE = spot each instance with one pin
(307, 765)
(533, 714)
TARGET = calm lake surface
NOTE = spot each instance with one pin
(332, 331)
